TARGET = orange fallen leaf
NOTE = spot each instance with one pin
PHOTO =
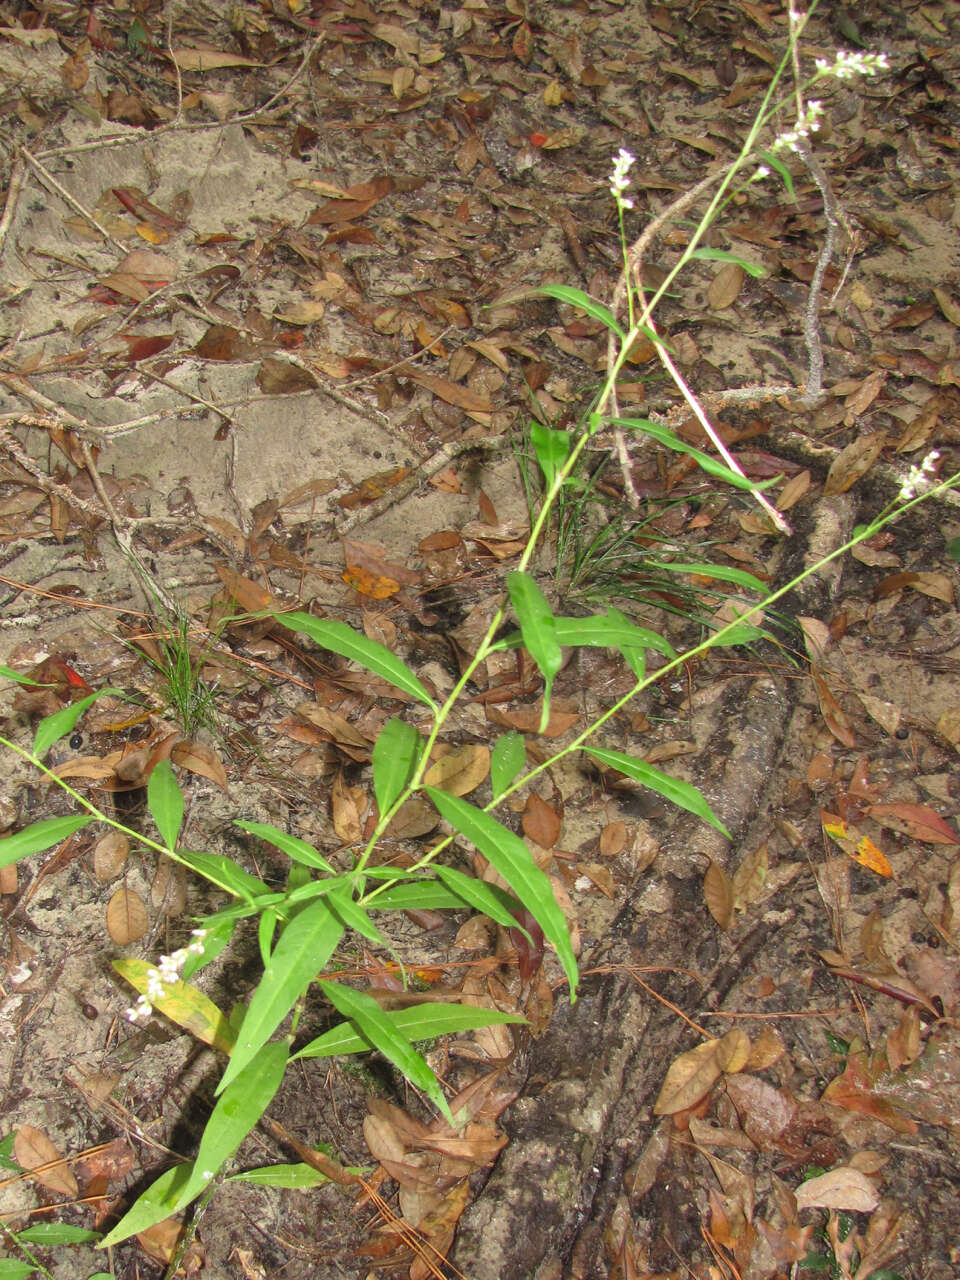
(853, 842)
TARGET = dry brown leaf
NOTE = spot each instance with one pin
(937, 585)
(733, 1051)
(749, 878)
(600, 875)
(541, 823)
(202, 760)
(793, 491)
(460, 771)
(209, 60)
(718, 894)
(918, 821)
(110, 855)
(416, 817)
(725, 286)
(689, 1078)
(127, 918)
(853, 462)
(948, 306)
(834, 717)
(168, 888)
(844, 1188)
(32, 1150)
(613, 839)
(347, 818)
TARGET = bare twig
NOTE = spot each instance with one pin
(14, 188)
(49, 181)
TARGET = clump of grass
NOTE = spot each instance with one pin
(173, 654)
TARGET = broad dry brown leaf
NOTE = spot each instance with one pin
(541, 823)
(844, 1188)
(127, 918)
(32, 1149)
(689, 1078)
(202, 760)
(854, 462)
(460, 771)
(110, 855)
(718, 894)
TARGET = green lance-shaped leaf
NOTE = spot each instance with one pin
(339, 638)
(372, 1022)
(52, 728)
(539, 630)
(680, 793)
(420, 1022)
(577, 298)
(13, 1269)
(292, 846)
(54, 1233)
(39, 836)
(612, 630)
(507, 853)
(774, 162)
(418, 895)
(552, 448)
(225, 874)
(487, 898)
(353, 916)
(755, 269)
(722, 573)
(508, 757)
(289, 1177)
(8, 673)
(236, 1112)
(710, 465)
(395, 756)
(153, 1206)
(238, 1109)
(304, 948)
(165, 802)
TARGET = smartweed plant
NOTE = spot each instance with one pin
(301, 926)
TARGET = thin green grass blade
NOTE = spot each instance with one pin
(384, 1034)
(339, 638)
(39, 836)
(304, 948)
(511, 857)
(420, 1022)
(678, 792)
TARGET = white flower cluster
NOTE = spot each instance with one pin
(166, 973)
(847, 65)
(808, 123)
(920, 478)
(619, 180)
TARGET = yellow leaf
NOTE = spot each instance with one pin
(182, 1004)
